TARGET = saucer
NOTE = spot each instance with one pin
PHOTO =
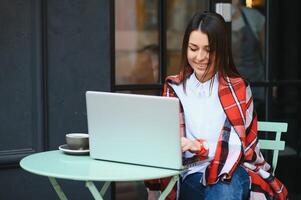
(67, 150)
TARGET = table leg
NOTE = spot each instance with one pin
(57, 188)
(93, 190)
(169, 187)
(104, 188)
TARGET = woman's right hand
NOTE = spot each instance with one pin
(198, 146)
(190, 145)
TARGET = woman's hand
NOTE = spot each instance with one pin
(193, 146)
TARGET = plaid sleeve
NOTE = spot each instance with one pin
(251, 127)
(252, 150)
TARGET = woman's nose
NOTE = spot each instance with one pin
(201, 55)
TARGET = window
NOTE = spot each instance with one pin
(148, 37)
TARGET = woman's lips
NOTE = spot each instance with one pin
(201, 66)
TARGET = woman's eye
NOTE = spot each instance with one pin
(193, 49)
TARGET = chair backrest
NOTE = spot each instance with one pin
(272, 144)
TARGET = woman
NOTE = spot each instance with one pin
(217, 120)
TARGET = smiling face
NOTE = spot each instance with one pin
(198, 54)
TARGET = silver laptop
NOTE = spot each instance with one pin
(135, 129)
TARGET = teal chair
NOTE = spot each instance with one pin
(272, 144)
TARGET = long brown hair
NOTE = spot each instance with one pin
(214, 26)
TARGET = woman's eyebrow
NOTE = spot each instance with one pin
(193, 44)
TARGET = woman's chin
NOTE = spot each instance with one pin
(199, 76)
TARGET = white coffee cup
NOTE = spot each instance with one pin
(77, 141)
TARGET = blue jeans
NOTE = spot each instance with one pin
(237, 189)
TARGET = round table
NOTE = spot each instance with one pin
(56, 164)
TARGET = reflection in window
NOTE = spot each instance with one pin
(248, 32)
(136, 42)
(178, 14)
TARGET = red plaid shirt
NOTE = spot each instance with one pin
(237, 102)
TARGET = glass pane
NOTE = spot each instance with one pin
(136, 42)
(178, 15)
(248, 39)
(286, 107)
(259, 103)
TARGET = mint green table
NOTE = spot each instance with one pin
(56, 164)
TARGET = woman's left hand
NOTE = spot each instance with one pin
(193, 146)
